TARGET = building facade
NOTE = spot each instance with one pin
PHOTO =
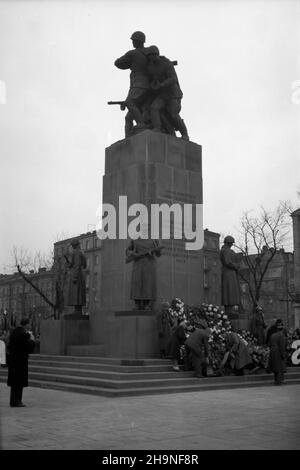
(19, 299)
(276, 290)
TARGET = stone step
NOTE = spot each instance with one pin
(201, 385)
(120, 374)
(99, 360)
(145, 374)
(142, 381)
(99, 366)
(89, 350)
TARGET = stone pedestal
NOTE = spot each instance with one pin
(149, 167)
(57, 335)
(238, 321)
(133, 335)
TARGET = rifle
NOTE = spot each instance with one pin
(120, 103)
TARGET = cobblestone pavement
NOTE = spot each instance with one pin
(255, 418)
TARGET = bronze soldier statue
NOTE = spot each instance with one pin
(165, 90)
(143, 253)
(136, 61)
(77, 287)
(154, 98)
(231, 296)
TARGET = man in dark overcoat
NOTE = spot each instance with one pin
(277, 358)
(143, 253)
(164, 327)
(230, 284)
(20, 345)
(239, 356)
(177, 339)
(197, 345)
(272, 329)
(77, 287)
(258, 326)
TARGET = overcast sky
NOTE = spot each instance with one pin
(237, 62)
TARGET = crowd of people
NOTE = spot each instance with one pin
(189, 344)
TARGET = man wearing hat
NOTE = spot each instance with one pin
(136, 61)
(197, 346)
(20, 345)
(77, 287)
(230, 284)
(272, 329)
(277, 356)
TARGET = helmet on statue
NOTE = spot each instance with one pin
(152, 50)
(138, 36)
(229, 239)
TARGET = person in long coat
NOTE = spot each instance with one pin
(277, 358)
(143, 253)
(77, 286)
(21, 344)
(258, 326)
(272, 329)
(176, 341)
(197, 345)
(164, 327)
(229, 279)
(239, 355)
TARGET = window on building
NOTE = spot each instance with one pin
(87, 262)
(96, 259)
(87, 245)
(87, 281)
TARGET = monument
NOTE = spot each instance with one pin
(77, 285)
(73, 328)
(150, 166)
(231, 295)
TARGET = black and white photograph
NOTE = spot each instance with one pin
(150, 228)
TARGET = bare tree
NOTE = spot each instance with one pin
(261, 237)
(26, 265)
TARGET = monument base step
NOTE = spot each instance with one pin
(116, 377)
(96, 350)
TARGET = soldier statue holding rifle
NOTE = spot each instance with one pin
(143, 253)
(154, 97)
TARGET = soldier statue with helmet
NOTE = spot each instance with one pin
(231, 296)
(136, 61)
(166, 92)
(154, 98)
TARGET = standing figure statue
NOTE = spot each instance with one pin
(136, 61)
(231, 295)
(166, 92)
(77, 287)
(143, 254)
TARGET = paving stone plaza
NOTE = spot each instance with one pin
(252, 419)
